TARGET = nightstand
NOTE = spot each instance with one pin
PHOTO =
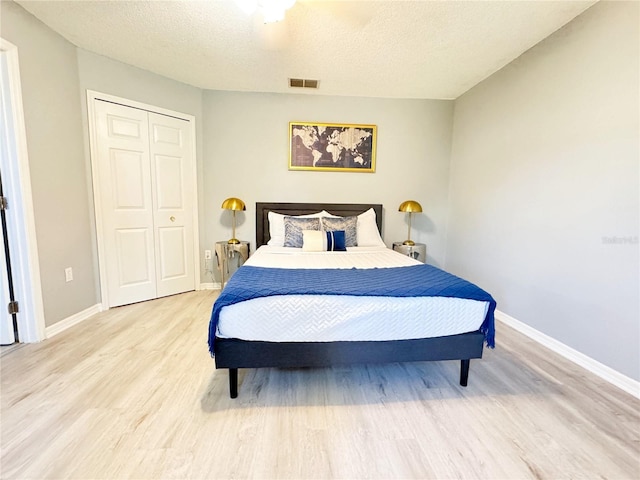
(417, 251)
(230, 257)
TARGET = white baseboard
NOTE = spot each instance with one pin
(69, 322)
(612, 376)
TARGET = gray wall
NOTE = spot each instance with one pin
(246, 149)
(55, 76)
(544, 186)
(412, 158)
(104, 75)
(543, 158)
(49, 78)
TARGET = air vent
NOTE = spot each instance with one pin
(303, 83)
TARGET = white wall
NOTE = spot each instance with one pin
(545, 164)
(246, 149)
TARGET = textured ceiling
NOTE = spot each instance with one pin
(397, 49)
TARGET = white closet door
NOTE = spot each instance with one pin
(146, 202)
(171, 164)
(126, 203)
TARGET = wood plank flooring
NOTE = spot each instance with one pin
(133, 393)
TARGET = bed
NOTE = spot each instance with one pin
(234, 351)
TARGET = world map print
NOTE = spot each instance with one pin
(318, 146)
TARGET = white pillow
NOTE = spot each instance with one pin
(276, 226)
(368, 234)
(314, 241)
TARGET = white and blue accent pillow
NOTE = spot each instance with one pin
(318, 241)
(348, 224)
(293, 227)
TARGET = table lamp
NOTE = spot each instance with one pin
(233, 204)
(410, 206)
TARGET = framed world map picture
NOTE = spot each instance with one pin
(332, 147)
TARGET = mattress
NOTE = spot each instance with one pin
(314, 318)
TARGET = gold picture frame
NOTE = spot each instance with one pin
(332, 147)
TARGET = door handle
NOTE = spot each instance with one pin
(172, 218)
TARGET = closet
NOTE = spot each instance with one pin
(143, 166)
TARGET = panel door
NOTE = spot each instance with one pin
(126, 203)
(171, 164)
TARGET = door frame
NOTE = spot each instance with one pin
(92, 97)
(17, 178)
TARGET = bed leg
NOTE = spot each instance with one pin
(464, 372)
(233, 382)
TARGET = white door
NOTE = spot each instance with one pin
(172, 204)
(16, 180)
(145, 201)
(126, 203)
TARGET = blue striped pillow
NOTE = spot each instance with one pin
(336, 241)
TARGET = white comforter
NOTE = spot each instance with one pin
(325, 318)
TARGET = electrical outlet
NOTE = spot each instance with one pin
(207, 254)
(68, 274)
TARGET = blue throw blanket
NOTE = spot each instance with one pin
(415, 281)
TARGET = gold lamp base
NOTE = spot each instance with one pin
(411, 243)
(233, 241)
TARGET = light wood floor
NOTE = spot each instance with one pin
(133, 393)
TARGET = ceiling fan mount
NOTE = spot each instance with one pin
(272, 10)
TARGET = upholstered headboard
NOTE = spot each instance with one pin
(342, 209)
